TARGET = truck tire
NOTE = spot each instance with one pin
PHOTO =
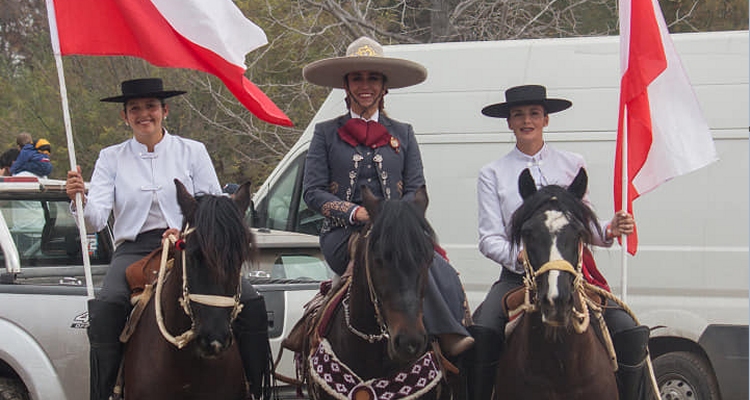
(12, 389)
(685, 376)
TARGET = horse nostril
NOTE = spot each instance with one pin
(410, 344)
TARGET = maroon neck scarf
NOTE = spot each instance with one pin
(357, 131)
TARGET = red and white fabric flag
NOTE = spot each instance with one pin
(667, 135)
(212, 36)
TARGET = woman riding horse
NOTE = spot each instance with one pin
(527, 110)
(133, 181)
(365, 147)
(370, 341)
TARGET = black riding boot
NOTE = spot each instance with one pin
(251, 330)
(488, 344)
(106, 321)
(631, 347)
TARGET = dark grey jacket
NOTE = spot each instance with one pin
(333, 168)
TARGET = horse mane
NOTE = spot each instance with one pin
(554, 197)
(221, 235)
(400, 227)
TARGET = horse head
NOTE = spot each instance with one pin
(214, 244)
(395, 254)
(552, 225)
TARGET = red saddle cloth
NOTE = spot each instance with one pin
(591, 273)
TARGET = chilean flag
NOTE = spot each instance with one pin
(206, 35)
(667, 135)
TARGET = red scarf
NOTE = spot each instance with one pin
(357, 131)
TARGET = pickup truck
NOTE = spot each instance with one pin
(43, 317)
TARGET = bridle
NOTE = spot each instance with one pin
(383, 334)
(187, 298)
(580, 318)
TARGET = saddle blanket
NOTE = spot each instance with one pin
(339, 381)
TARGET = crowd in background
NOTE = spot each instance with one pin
(29, 158)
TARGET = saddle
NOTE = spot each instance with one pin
(308, 331)
(142, 276)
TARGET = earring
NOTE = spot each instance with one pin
(126, 123)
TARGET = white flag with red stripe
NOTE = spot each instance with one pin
(206, 35)
(667, 135)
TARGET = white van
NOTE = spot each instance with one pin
(689, 280)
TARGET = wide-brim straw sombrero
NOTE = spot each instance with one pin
(364, 54)
(525, 95)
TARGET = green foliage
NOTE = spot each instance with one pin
(299, 32)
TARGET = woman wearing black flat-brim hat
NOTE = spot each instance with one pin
(526, 111)
(366, 147)
(134, 181)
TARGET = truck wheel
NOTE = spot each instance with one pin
(685, 376)
(12, 389)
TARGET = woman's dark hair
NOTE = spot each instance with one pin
(8, 157)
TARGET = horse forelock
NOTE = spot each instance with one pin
(220, 236)
(402, 233)
(555, 198)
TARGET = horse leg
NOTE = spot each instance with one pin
(251, 330)
(106, 321)
(631, 349)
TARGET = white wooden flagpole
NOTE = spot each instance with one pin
(71, 148)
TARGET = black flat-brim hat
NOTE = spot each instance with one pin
(141, 89)
(525, 95)
(364, 54)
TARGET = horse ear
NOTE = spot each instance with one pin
(578, 187)
(242, 197)
(526, 184)
(369, 201)
(421, 200)
(187, 202)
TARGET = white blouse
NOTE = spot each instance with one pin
(127, 179)
(498, 197)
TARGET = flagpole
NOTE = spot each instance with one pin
(71, 148)
(623, 237)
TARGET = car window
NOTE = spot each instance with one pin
(302, 267)
(284, 208)
(280, 199)
(45, 234)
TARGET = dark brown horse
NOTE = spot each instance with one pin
(376, 345)
(553, 353)
(193, 354)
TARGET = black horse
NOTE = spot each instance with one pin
(198, 298)
(376, 345)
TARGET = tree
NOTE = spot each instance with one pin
(299, 32)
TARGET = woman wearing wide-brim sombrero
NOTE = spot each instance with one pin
(366, 147)
(134, 182)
